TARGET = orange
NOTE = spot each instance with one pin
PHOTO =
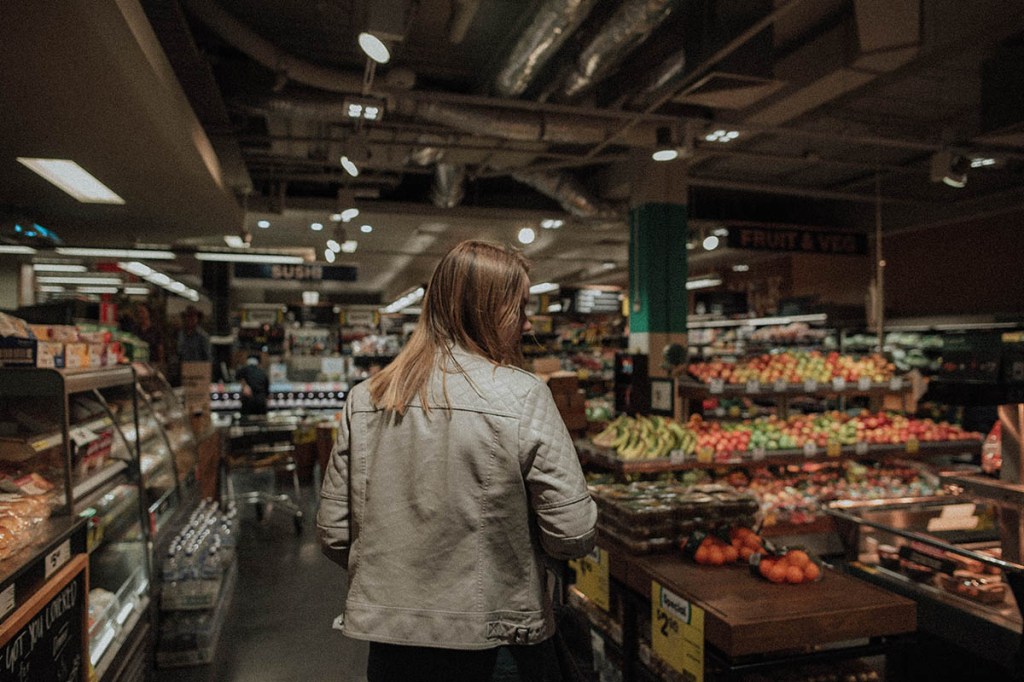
(715, 557)
(765, 568)
(746, 553)
(811, 571)
(798, 557)
(701, 556)
(730, 554)
(778, 573)
(794, 575)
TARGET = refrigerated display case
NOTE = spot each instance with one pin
(72, 438)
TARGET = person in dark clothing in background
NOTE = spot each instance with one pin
(255, 386)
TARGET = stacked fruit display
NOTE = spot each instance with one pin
(794, 566)
(645, 437)
(796, 367)
(712, 550)
(775, 433)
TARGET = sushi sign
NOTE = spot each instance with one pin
(296, 273)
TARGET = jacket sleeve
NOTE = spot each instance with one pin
(332, 517)
(566, 515)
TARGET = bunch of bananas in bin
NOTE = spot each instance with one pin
(643, 437)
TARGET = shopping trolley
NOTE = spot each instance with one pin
(258, 447)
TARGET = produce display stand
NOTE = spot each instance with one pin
(752, 625)
(606, 459)
(782, 393)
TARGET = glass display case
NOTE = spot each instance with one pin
(70, 444)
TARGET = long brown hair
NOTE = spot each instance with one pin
(475, 299)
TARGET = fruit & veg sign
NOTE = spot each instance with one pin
(592, 576)
(803, 241)
(677, 632)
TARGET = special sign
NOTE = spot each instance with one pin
(802, 241)
(296, 273)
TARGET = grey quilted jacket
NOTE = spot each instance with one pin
(443, 519)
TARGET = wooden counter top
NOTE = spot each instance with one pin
(747, 615)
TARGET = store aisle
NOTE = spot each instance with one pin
(278, 628)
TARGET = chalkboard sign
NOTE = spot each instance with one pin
(45, 639)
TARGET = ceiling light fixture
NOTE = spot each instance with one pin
(51, 289)
(235, 242)
(227, 257)
(144, 254)
(97, 290)
(136, 268)
(17, 250)
(73, 179)
(666, 148)
(263, 224)
(740, 267)
(374, 48)
(136, 291)
(982, 162)
(555, 308)
(349, 166)
(710, 242)
(703, 283)
(349, 214)
(552, 223)
(722, 135)
(329, 255)
(366, 108)
(349, 246)
(543, 288)
(366, 229)
(527, 235)
(949, 169)
(333, 245)
(720, 232)
(58, 267)
(335, 217)
(405, 301)
(316, 227)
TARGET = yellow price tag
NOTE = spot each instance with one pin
(705, 454)
(677, 632)
(833, 448)
(592, 576)
(913, 446)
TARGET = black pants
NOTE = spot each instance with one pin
(395, 663)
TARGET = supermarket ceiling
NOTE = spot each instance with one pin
(208, 116)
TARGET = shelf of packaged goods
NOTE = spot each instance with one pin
(85, 487)
(112, 638)
(606, 459)
(26, 569)
(758, 391)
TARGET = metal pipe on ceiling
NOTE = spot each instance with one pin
(555, 21)
(569, 193)
(631, 25)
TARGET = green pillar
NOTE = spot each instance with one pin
(658, 234)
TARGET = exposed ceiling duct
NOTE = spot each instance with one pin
(630, 26)
(569, 193)
(449, 185)
(662, 81)
(523, 126)
(555, 21)
(244, 39)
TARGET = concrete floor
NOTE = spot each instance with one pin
(278, 626)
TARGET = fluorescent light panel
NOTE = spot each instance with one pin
(225, 257)
(146, 254)
(703, 283)
(73, 179)
(405, 301)
(18, 250)
(543, 288)
(58, 267)
(87, 281)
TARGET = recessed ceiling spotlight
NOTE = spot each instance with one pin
(333, 245)
(740, 267)
(982, 162)
(329, 255)
(349, 214)
(316, 227)
(551, 223)
(527, 235)
(263, 223)
(720, 232)
(366, 229)
(722, 135)
(349, 166)
(374, 48)
(710, 242)
(335, 217)
(349, 246)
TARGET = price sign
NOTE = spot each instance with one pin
(861, 447)
(592, 576)
(676, 456)
(839, 383)
(716, 386)
(759, 454)
(677, 632)
(57, 558)
(864, 383)
(833, 448)
(753, 386)
(780, 386)
(913, 446)
(896, 384)
(705, 454)
(810, 385)
(810, 449)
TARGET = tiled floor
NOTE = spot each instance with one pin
(278, 627)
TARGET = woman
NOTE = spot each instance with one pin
(452, 476)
